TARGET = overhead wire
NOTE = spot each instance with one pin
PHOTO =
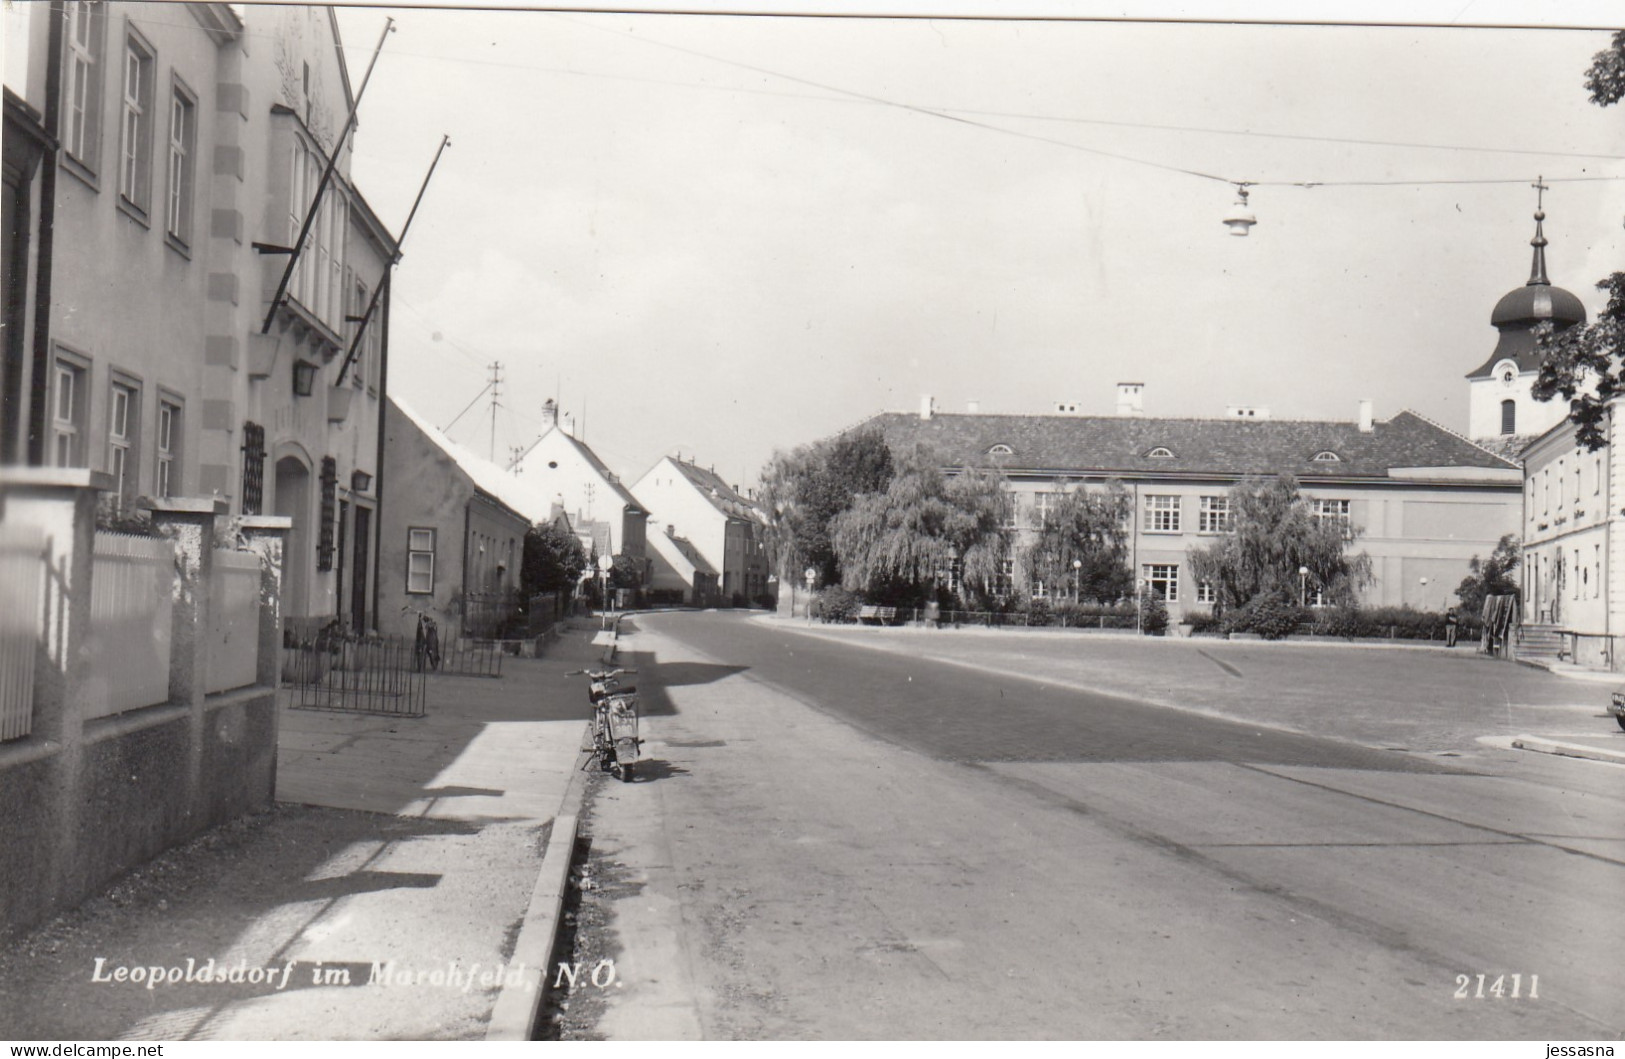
(1118, 156)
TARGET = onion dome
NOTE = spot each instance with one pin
(1519, 311)
(1537, 300)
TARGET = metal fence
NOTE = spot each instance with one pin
(471, 658)
(131, 614)
(381, 675)
(1012, 619)
(22, 580)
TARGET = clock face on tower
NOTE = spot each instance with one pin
(1507, 372)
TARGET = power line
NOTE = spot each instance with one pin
(958, 119)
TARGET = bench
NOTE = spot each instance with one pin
(878, 615)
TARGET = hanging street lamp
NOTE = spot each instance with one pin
(1240, 218)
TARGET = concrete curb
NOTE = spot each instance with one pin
(519, 1004)
(1552, 746)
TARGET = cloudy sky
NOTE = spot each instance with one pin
(726, 234)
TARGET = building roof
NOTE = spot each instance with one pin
(1233, 448)
(719, 493)
(510, 490)
(599, 466)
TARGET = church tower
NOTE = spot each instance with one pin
(1502, 414)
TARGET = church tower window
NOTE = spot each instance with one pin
(1509, 417)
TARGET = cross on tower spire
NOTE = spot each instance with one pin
(1537, 267)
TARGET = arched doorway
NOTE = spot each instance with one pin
(293, 501)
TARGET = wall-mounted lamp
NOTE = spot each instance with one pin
(304, 377)
(360, 481)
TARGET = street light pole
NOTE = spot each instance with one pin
(1303, 587)
(1077, 579)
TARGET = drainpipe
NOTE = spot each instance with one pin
(40, 376)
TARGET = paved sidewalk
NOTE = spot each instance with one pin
(412, 845)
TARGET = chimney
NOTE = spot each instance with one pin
(973, 407)
(928, 406)
(671, 530)
(550, 412)
(1131, 398)
(1365, 417)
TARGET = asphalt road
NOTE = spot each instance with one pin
(835, 841)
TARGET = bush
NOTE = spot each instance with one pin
(1153, 615)
(1039, 612)
(1271, 615)
(1400, 623)
(836, 604)
(1204, 623)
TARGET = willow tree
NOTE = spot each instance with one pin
(804, 490)
(1083, 544)
(1275, 534)
(924, 522)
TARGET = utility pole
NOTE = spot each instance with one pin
(496, 391)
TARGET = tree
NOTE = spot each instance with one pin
(908, 535)
(1585, 364)
(804, 490)
(1090, 529)
(1275, 534)
(1490, 577)
(553, 560)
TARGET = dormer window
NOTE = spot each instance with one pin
(1327, 456)
(1160, 453)
(1001, 450)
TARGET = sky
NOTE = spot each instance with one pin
(721, 235)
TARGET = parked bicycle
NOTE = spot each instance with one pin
(425, 642)
(615, 739)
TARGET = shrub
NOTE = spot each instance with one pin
(1204, 623)
(1271, 615)
(1153, 615)
(1039, 612)
(836, 604)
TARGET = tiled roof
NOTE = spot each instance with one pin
(721, 495)
(1225, 447)
(525, 500)
(609, 476)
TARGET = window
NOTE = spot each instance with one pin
(1010, 512)
(169, 440)
(1163, 580)
(1004, 582)
(1160, 453)
(182, 147)
(1205, 592)
(1560, 488)
(135, 124)
(82, 92)
(1332, 511)
(952, 575)
(1327, 456)
(420, 561)
(1000, 450)
(1509, 417)
(1162, 514)
(68, 414)
(1214, 516)
(1039, 591)
(1576, 479)
(1546, 490)
(358, 308)
(1043, 504)
(123, 427)
(1596, 478)
(253, 468)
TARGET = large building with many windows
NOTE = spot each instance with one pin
(149, 333)
(1423, 499)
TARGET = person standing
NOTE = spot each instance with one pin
(1451, 621)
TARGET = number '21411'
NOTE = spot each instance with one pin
(1497, 988)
